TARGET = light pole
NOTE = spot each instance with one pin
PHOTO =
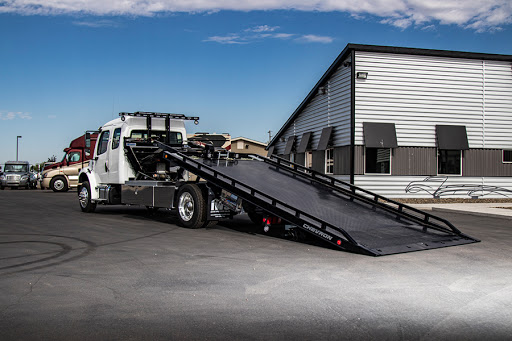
(17, 139)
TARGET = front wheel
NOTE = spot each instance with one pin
(84, 198)
(191, 207)
(59, 184)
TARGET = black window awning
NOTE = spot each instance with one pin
(270, 151)
(304, 143)
(324, 138)
(452, 137)
(289, 145)
(379, 135)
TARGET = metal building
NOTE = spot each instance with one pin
(406, 122)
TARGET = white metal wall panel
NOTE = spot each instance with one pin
(498, 105)
(418, 92)
(324, 110)
(420, 186)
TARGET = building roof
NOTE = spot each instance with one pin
(381, 49)
(249, 140)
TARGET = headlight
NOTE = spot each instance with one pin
(2, 177)
(24, 177)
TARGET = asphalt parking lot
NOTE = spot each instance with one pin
(122, 273)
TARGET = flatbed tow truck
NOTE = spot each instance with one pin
(142, 158)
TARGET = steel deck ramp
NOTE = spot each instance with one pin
(348, 217)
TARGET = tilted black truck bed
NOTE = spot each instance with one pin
(347, 216)
(377, 230)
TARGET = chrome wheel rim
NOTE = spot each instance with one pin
(58, 184)
(186, 206)
(83, 197)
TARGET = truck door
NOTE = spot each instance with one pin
(102, 155)
(74, 166)
(113, 157)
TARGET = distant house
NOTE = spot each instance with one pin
(407, 122)
(245, 145)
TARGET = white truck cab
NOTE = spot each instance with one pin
(109, 165)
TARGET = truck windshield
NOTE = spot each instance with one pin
(175, 138)
(15, 168)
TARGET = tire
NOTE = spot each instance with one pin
(191, 207)
(210, 223)
(59, 184)
(256, 218)
(84, 198)
(2, 188)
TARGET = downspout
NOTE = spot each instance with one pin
(352, 116)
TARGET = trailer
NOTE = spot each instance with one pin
(203, 184)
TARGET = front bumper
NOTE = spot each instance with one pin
(45, 183)
(14, 182)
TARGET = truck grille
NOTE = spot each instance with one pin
(13, 177)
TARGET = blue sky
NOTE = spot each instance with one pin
(243, 67)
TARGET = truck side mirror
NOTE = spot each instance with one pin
(87, 140)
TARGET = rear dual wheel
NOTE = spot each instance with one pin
(191, 207)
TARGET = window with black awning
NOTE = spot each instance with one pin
(289, 145)
(451, 137)
(379, 135)
(304, 143)
(325, 138)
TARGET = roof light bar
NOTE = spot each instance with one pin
(160, 115)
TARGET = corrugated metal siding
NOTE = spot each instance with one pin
(342, 160)
(359, 160)
(485, 162)
(300, 158)
(324, 110)
(418, 92)
(414, 161)
(319, 161)
(498, 104)
(395, 186)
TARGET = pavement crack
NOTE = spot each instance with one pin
(30, 290)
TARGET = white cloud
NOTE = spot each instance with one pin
(282, 35)
(97, 23)
(52, 117)
(4, 116)
(229, 39)
(311, 38)
(262, 28)
(260, 33)
(480, 15)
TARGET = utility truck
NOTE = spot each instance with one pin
(143, 158)
(63, 175)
